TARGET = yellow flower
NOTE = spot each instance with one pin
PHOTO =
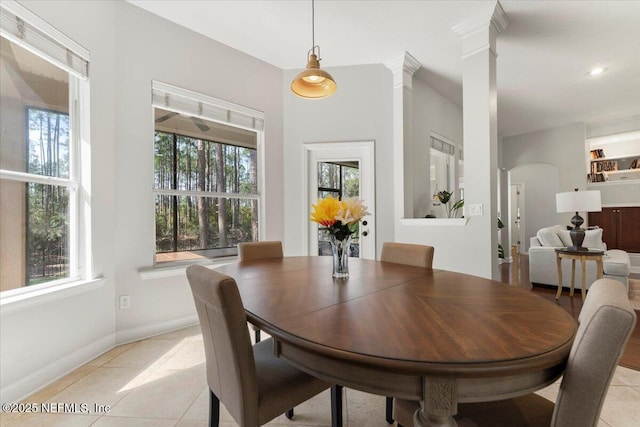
(325, 211)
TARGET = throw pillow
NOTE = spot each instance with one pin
(548, 236)
(593, 239)
(565, 237)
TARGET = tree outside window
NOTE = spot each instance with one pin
(47, 206)
(206, 191)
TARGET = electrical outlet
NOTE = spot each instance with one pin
(125, 302)
(475, 210)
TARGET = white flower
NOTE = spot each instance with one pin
(351, 211)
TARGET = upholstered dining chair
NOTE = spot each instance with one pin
(254, 385)
(605, 323)
(408, 254)
(248, 251)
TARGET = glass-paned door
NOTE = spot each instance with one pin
(339, 180)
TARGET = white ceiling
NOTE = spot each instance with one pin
(543, 56)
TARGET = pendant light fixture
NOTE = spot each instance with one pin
(313, 83)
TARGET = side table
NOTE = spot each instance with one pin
(574, 255)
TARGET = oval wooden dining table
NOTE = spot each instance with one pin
(428, 335)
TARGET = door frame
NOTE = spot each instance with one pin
(519, 203)
(364, 153)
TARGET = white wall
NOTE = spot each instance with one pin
(150, 48)
(129, 48)
(541, 183)
(610, 127)
(564, 149)
(360, 110)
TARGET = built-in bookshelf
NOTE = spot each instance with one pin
(622, 163)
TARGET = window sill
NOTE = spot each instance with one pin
(434, 222)
(24, 300)
(178, 268)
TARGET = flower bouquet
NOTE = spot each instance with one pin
(340, 218)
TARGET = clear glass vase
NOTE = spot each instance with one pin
(340, 251)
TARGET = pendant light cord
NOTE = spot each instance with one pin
(313, 24)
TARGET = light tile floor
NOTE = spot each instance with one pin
(161, 382)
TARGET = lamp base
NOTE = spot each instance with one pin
(577, 234)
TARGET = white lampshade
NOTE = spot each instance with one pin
(579, 201)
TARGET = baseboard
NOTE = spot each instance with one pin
(54, 371)
(151, 330)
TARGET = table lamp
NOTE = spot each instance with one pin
(578, 201)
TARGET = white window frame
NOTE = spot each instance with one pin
(21, 26)
(184, 101)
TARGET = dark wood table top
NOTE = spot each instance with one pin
(570, 251)
(403, 318)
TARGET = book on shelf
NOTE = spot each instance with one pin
(596, 177)
(604, 166)
(597, 154)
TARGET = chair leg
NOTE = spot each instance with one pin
(389, 410)
(214, 410)
(256, 334)
(289, 413)
(336, 405)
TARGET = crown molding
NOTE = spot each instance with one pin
(403, 68)
(497, 22)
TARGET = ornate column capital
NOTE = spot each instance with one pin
(479, 32)
(403, 68)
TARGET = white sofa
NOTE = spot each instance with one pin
(542, 259)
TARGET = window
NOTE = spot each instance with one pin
(207, 197)
(43, 95)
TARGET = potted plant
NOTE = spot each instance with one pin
(444, 197)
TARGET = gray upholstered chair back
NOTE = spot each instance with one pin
(605, 324)
(230, 364)
(248, 251)
(408, 254)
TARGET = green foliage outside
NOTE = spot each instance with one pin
(47, 206)
(195, 222)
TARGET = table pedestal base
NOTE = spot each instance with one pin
(439, 403)
(433, 420)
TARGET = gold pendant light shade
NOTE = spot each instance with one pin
(313, 82)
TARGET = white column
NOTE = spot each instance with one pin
(480, 132)
(402, 68)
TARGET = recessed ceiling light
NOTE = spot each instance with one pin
(596, 71)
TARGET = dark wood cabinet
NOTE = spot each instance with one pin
(620, 227)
